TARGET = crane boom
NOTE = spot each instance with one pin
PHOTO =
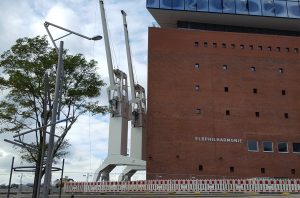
(107, 45)
(129, 60)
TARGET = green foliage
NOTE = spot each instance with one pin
(21, 78)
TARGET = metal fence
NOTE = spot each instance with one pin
(188, 186)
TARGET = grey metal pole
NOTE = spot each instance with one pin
(46, 91)
(11, 170)
(61, 177)
(47, 181)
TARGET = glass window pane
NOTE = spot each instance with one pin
(215, 5)
(178, 4)
(252, 145)
(202, 5)
(190, 4)
(153, 3)
(268, 146)
(268, 7)
(228, 6)
(296, 147)
(254, 7)
(242, 7)
(280, 8)
(293, 9)
(167, 4)
(282, 147)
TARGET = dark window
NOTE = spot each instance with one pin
(260, 47)
(296, 147)
(223, 45)
(283, 92)
(293, 171)
(280, 70)
(251, 47)
(214, 45)
(197, 65)
(226, 89)
(263, 170)
(231, 168)
(252, 145)
(268, 146)
(282, 147)
(198, 111)
(296, 50)
(287, 49)
(257, 114)
(232, 46)
(255, 91)
(253, 69)
(286, 115)
(227, 112)
(196, 43)
(197, 87)
(269, 48)
(225, 67)
(200, 167)
(205, 44)
(242, 46)
(277, 49)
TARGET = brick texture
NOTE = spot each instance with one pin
(173, 120)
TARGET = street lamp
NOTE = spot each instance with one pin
(56, 103)
(47, 24)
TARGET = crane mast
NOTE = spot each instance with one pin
(138, 108)
(119, 107)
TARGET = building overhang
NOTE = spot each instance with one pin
(169, 19)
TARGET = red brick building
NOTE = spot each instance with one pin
(223, 101)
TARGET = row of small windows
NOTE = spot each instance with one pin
(252, 69)
(267, 146)
(251, 47)
(232, 169)
(226, 89)
(256, 114)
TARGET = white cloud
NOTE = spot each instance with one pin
(25, 18)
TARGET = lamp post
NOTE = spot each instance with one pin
(87, 175)
(56, 103)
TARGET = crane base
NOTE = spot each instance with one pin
(116, 160)
(129, 171)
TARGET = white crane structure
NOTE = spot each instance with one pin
(137, 117)
(119, 113)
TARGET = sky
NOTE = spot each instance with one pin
(89, 136)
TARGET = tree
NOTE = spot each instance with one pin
(23, 68)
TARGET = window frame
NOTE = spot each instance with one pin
(293, 147)
(287, 147)
(272, 151)
(257, 147)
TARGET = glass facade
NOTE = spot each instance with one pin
(272, 8)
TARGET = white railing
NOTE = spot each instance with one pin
(209, 185)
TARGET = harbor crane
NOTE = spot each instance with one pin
(137, 117)
(119, 114)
